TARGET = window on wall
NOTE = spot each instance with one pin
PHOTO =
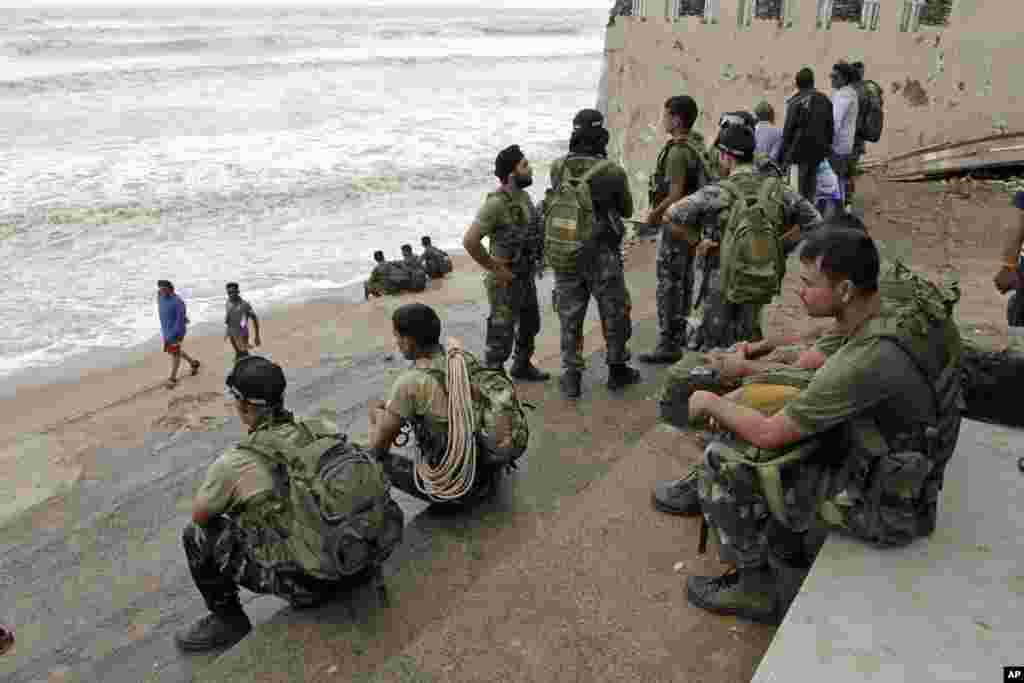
(910, 15)
(761, 9)
(847, 10)
(768, 9)
(869, 15)
(689, 8)
(936, 12)
(639, 8)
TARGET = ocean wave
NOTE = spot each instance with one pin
(89, 80)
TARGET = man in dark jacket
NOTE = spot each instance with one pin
(807, 135)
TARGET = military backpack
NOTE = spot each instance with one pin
(502, 431)
(870, 111)
(341, 517)
(569, 222)
(752, 253)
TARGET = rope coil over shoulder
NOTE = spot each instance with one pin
(455, 473)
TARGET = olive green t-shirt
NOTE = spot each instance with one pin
(498, 213)
(416, 394)
(678, 162)
(236, 476)
(866, 376)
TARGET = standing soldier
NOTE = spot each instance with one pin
(589, 262)
(507, 217)
(680, 171)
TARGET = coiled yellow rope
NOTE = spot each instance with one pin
(456, 472)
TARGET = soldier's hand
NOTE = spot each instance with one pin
(1006, 279)
(705, 246)
(501, 271)
(654, 218)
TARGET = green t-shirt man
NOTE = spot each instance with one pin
(418, 395)
(504, 218)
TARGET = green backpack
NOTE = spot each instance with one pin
(502, 431)
(569, 213)
(342, 518)
(752, 257)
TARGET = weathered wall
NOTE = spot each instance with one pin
(943, 84)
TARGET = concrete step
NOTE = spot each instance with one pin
(946, 608)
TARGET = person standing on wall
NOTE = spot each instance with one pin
(173, 324)
(844, 116)
(506, 217)
(237, 314)
(807, 133)
(681, 170)
(591, 267)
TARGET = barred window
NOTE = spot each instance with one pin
(936, 13)
(689, 8)
(847, 10)
(768, 9)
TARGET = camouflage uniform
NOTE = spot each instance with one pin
(870, 403)
(244, 543)
(384, 279)
(724, 323)
(673, 266)
(599, 272)
(515, 312)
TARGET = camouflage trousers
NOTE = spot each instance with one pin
(514, 318)
(674, 296)
(599, 275)
(724, 323)
(736, 508)
(222, 556)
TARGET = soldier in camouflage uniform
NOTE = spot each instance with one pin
(867, 439)
(679, 172)
(724, 323)
(598, 271)
(234, 538)
(509, 218)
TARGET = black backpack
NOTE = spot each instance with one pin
(870, 111)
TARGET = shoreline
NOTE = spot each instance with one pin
(75, 368)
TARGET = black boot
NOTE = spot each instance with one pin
(214, 631)
(523, 369)
(569, 384)
(621, 375)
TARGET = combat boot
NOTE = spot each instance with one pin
(215, 630)
(528, 372)
(679, 496)
(751, 594)
(569, 384)
(663, 353)
(621, 375)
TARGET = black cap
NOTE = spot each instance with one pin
(737, 118)
(164, 283)
(738, 141)
(507, 160)
(586, 119)
(257, 380)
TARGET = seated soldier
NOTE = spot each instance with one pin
(415, 396)
(394, 277)
(890, 390)
(410, 259)
(242, 531)
(419, 400)
(436, 261)
(380, 281)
